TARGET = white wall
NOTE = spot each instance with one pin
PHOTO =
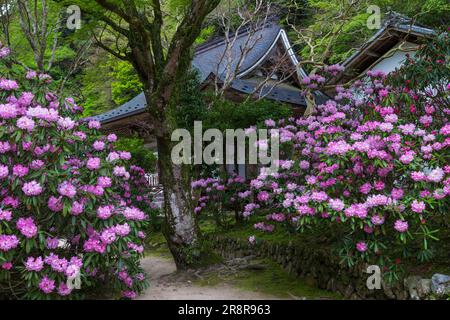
(392, 60)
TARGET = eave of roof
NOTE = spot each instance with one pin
(286, 94)
(205, 61)
(379, 41)
(135, 106)
(402, 27)
(282, 93)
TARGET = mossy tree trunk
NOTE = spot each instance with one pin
(160, 71)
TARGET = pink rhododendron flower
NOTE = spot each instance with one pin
(401, 226)
(361, 247)
(104, 212)
(407, 157)
(94, 245)
(66, 123)
(113, 156)
(34, 264)
(20, 170)
(108, 236)
(397, 194)
(319, 196)
(436, 175)
(263, 196)
(124, 155)
(37, 164)
(129, 294)
(5, 215)
(336, 204)
(418, 176)
(104, 182)
(132, 213)
(4, 171)
(93, 163)
(52, 243)
(94, 124)
(67, 189)
(8, 242)
(377, 220)
(356, 210)
(77, 208)
(112, 137)
(4, 146)
(119, 171)
(365, 188)
(25, 123)
(47, 285)
(55, 204)
(63, 290)
(338, 148)
(304, 165)
(8, 85)
(99, 145)
(418, 206)
(27, 227)
(122, 230)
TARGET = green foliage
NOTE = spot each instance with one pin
(198, 105)
(192, 106)
(331, 29)
(433, 13)
(321, 19)
(429, 68)
(95, 83)
(272, 279)
(141, 155)
(176, 5)
(19, 44)
(126, 84)
(245, 114)
(205, 34)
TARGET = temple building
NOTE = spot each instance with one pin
(263, 63)
(386, 50)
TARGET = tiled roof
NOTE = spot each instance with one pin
(134, 106)
(395, 21)
(283, 92)
(207, 59)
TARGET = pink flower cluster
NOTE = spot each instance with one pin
(59, 191)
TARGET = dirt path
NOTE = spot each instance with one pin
(167, 284)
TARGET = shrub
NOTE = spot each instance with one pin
(142, 156)
(67, 198)
(363, 166)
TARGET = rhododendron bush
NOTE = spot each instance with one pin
(359, 165)
(67, 198)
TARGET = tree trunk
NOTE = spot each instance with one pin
(161, 68)
(180, 228)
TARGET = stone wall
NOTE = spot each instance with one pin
(318, 267)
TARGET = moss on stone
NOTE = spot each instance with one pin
(271, 280)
